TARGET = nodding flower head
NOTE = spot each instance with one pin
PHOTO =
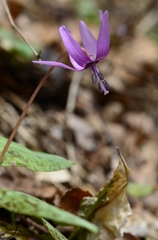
(92, 52)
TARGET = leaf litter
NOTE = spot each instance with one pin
(133, 85)
(111, 205)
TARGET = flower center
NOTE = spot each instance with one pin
(92, 57)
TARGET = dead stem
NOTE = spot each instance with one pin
(26, 109)
(17, 29)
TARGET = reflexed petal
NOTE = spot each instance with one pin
(73, 48)
(89, 41)
(55, 64)
(78, 67)
(103, 42)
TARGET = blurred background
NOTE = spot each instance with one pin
(70, 117)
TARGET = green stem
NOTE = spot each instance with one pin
(12, 135)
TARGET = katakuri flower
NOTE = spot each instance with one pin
(88, 56)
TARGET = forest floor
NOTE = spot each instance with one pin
(80, 123)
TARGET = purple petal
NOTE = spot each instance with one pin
(101, 14)
(56, 64)
(103, 42)
(73, 48)
(78, 67)
(89, 41)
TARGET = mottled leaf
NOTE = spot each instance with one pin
(22, 203)
(36, 161)
(53, 231)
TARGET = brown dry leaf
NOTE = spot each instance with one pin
(112, 212)
(142, 49)
(140, 121)
(72, 199)
(142, 224)
(127, 236)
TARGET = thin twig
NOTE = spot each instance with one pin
(36, 225)
(26, 109)
(70, 106)
(13, 235)
(17, 29)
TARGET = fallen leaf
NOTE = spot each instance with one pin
(142, 224)
(127, 236)
(72, 199)
(110, 208)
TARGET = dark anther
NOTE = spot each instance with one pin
(94, 79)
(106, 85)
(103, 87)
(100, 75)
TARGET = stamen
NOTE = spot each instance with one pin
(94, 79)
(106, 85)
(103, 87)
(100, 75)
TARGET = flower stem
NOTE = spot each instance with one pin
(12, 135)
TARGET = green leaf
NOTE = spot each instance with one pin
(138, 190)
(11, 42)
(53, 231)
(22, 203)
(36, 161)
(153, 34)
(86, 10)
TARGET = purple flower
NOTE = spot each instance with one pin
(93, 52)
